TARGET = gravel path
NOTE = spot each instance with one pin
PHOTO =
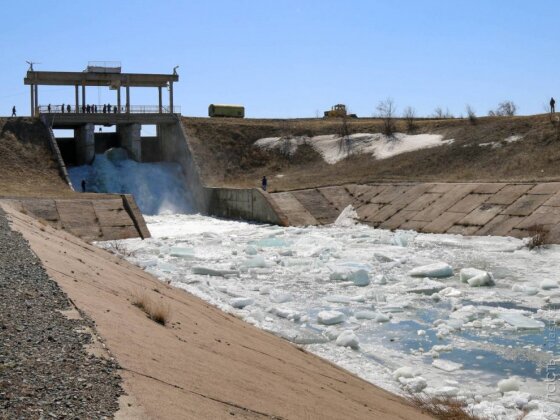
(45, 371)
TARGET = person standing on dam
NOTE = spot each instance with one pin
(552, 103)
(264, 183)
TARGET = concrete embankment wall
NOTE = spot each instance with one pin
(175, 148)
(247, 204)
(498, 209)
(100, 219)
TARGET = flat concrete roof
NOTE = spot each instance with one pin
(84, 78)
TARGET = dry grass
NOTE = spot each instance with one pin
(156, 310)
(444, 408)
(226, 155)
(538, 237)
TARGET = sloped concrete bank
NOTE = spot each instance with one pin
(498, 209)
(203, 364)
(102, 218)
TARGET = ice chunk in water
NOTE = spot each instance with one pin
(255, 262)
(520, 321)
(213, 271)
(272, 242)
(365, 314)
(509, 384)
(348, 339)
(177, 251)
(404, 372)
(330, 317)
(348, 217)
(439, 269)
(466, 273)
(414, 384)
(286, 313)
(359, 277)
(251, 250)
(281, 297)
(484, 279)
(382, 317)
(427, 287)
(446, 365)
(527, 290)
(241, 302)
(548, 284)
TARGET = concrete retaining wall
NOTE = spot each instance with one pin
(175, 148)
(101, 219)
(498, 209)
(246, 204)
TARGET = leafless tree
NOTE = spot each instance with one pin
(505, 109)
(471, 114)
(409, 115)
(386, 110)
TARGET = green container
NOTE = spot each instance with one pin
(231, 111)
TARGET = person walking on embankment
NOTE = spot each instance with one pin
(552, 103)
(264, 183)
(14, 111)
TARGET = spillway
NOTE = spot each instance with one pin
(158, 188)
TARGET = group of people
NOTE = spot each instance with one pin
(86, 109)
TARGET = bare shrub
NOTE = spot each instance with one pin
(505, 109)
(444, 408)
(386, 110)
(157, 311)
(345, 143)
(471, 114)
(538, 237)
(117, 247)
(409, 116)
(439, 113)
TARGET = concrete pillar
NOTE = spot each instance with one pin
(159, 94)
(85, 144)
(130, 139)
(32, 100)
(77, 97)
(171, 97)
(83, 95)
(119, 99)
(36, 100)
(127, 99)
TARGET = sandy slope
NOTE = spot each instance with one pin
(205, 364)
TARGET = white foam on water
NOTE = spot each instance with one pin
(158, 188)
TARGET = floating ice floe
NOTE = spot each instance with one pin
(348, 338)
(330, 317)
(404, 372)
(446, 365)
(509, 384)
(520, 321)
(281, 297)
(348, 217)
(548, 284)
(241, 302)
(439, 269)
(181, 252)
(475, 277)
(216, 272)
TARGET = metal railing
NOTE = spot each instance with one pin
(106, 109)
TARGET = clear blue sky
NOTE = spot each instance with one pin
(295, 58)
